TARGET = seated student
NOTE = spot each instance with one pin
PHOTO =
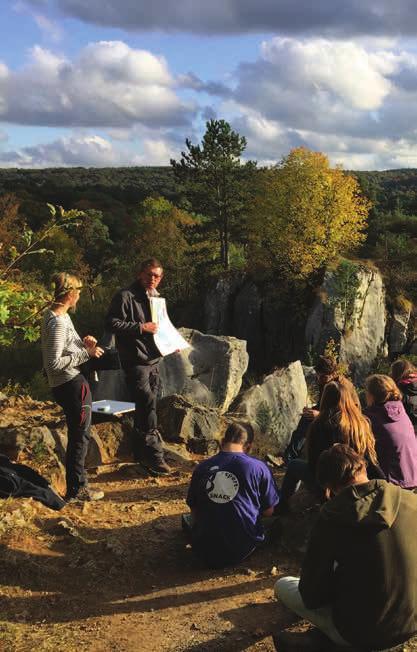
(396, 442)
(340, 421)
(359, 577)
(405, 375)
(228, 495)
(326, 370)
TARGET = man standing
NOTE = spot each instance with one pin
(228, 495)
(359, 577)
(129, 318)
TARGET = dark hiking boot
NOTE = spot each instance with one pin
(157, 468)
(313, 640)
(85, 494)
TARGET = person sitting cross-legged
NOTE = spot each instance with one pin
(228, 495)
(359, 577)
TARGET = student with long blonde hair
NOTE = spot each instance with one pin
(63, 351)
(396, 441)
(340, 420)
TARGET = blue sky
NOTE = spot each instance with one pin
(124, 83)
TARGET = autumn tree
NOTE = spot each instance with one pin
(304, 215)
(165, 231)
(22, 297)
(216, 181)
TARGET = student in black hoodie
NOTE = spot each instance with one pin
(359, 576)
(129, 318)
(405, 375)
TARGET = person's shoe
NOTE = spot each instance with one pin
(313, 640)
(85, 494)
(156, 468)
(278, 462)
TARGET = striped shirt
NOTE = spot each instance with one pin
(62, 348)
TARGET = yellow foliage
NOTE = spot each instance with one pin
(305, 214)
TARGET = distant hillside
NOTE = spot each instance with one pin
(67, 186)
(391, 190)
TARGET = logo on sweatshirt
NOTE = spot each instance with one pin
(222, 486)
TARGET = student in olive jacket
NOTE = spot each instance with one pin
(359, 577)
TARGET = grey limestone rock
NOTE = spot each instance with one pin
(209, 372)
(356, 325)
(275, 405)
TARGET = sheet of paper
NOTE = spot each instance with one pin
(167, 338)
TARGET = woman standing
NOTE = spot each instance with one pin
(396, 442)
(63, 352)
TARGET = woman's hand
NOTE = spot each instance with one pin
(89, 341)
(94, 351)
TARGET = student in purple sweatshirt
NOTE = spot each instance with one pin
(396, 443)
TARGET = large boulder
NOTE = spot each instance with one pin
(399, 323)
(350, 309)
(275, 406)
(199, 427)
(209, 372)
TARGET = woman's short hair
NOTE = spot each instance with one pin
(382, 389)
(338, 466)
(63, 284)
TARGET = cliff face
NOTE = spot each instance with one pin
(350, 309)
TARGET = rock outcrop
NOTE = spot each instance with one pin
(275, 405)
(199, 427)
(351, 311)
(209, 372)
(398, 330)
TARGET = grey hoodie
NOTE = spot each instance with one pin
(362, 560)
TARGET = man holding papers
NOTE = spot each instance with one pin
(130, 319)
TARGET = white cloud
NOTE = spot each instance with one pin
(343, 69)
(109, 84)
(89, 150)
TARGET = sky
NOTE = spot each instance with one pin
(124, 82)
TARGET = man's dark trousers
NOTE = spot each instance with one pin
(144, 382)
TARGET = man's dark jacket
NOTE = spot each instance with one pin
(362, 560)
(129, 309)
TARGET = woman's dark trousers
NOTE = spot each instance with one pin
(75, 399)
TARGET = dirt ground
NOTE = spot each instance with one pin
(117, 575)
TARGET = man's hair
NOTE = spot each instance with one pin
(240, 432)
(338, 466)
(149, 262)
(382, 389)
(325, 366)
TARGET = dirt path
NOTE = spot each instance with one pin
(118, 576)
(123, 579)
